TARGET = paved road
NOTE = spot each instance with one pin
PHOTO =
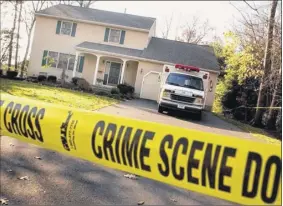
(59, 179)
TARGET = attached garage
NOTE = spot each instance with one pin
(151, 86)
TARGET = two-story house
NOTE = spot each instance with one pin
(109, 48)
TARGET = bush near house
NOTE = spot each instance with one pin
(12, 74)
(41, 78)
(126, 89)
(52, 79)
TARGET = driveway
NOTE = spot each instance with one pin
(60, 179)
(147, 110)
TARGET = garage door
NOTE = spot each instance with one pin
(151, 86)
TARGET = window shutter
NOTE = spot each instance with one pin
(58, 27)
(74, 29)
(107, 30)
(81, 65)
(43, 63)
(123, 33)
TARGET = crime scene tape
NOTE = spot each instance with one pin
(230, 168)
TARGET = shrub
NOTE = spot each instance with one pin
(102, 93)
(83, 84)
(75, 80)
(115, 91)
(12, 74)
(41, 78)
(126, 89)
(116, 96)
(52, 79)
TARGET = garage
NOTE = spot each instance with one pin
(151, 86)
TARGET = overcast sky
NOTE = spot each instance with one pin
(221, 14)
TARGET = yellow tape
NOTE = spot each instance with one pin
(230, 168)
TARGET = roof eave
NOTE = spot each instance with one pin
(135, 57)
(93, 22)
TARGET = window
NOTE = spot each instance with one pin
(66, 28)
(184, 80)
(114, 35)
(52, 58)
(63, 61)
(71, 62)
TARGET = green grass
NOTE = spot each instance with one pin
(256, 132)
(55, 95)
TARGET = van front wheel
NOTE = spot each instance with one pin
(160, 109)
(199, 116)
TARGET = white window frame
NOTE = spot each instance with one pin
(58, 55)
(57, 58)
(71, 28)
(119, 36)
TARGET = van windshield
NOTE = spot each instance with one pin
(183, 80)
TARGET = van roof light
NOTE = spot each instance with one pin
(187, 67)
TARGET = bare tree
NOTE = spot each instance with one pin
(29, 22)
(86, 4)
(167, 29)
(18, 34)
(12, 36)
(267, 64)
(195, 32)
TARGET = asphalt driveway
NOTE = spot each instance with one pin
(59, 179)
(147, 110)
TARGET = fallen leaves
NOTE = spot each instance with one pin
(130, 176)
(39, 158)
(9, 170)
(23, 178)
(4, 201)
(140, 202)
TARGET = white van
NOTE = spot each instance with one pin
(183, 88)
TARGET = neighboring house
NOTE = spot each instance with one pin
(108, 48)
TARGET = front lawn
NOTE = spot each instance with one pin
(55, 95)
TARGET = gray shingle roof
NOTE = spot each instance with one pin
(112, 49)
(108, 17)
(181, 53)
(165, 51)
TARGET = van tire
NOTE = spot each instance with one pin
(160, 109)
(199, 116)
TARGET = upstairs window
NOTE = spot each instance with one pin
(66, 28)
(114, 35)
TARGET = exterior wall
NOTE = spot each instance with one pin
(211, 95)
(151, 32)
(145, 67)
(131, 73)
(45, 38)
(89, 67)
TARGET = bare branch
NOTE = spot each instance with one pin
(168, 22)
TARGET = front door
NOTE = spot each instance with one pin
(114, 73)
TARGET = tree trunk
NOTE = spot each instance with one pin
(271, 113)
(18, 36)
(27, 49)
(12, 36)
(267, 65)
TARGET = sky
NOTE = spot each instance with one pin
(220, 14)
